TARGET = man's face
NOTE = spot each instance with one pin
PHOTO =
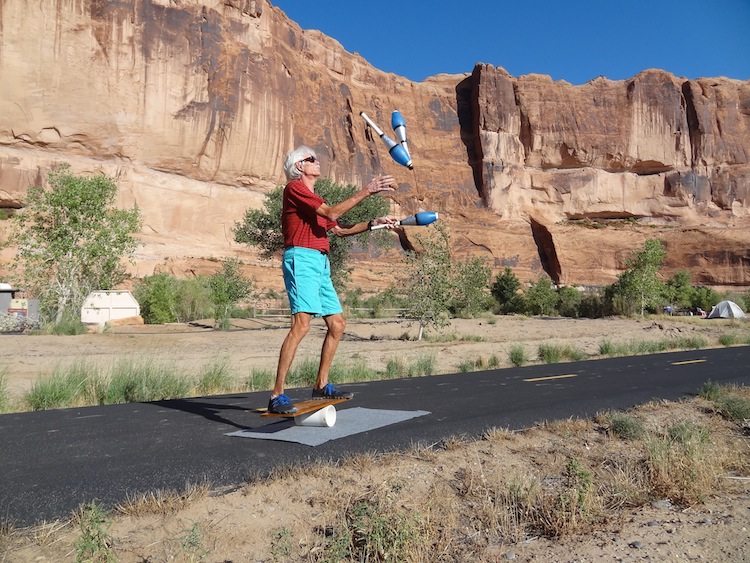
(310, 166)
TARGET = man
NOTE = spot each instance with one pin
(305, 221)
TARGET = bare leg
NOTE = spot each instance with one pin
(300, 327)
(336, 325)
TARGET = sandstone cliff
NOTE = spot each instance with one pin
(192, 104)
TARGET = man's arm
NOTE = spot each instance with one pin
(364, 226)
(376, 185)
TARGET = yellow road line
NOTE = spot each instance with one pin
(552, 377)
(687, 362)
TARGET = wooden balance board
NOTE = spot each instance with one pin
(304, 407)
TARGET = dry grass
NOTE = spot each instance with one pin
(162, 502)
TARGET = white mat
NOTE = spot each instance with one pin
(348, 422)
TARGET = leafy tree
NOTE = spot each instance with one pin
(505, 291)
(541, 297)
(228, 286)
(704, 297)
(677, 290)
(592, 305)
(71, 241)
(262, 227)
(470, 280)
(157, 296)
(428, 282)
(639, 285)
(166, 299)
(569, 301)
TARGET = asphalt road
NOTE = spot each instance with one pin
(54, 461)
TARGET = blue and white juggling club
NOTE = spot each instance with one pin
(396, 150)
(421, 219)
(399, 126)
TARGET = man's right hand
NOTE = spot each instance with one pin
(381, 183)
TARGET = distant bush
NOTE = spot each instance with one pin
(163, 298)
(569, 302)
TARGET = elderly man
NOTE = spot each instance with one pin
(305, 221)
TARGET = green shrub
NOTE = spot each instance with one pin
(157, 297)
(68, 326)
(691, 343)
(95, 542)
(505, 291)
(227, 287)
(395, 367)
(710, 391)
(517, 355)
(215, 379)
(569, 301)
(686, 432)
(729, 339)
(734, 407)
(592, 306)
(541, 298)
(76, 384)
(136, 382)
(550, 353)
(626, 426)
(260, 380)
(165, 299)
(606, 348)
(424, 365)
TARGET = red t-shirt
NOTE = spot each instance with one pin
(300, 225)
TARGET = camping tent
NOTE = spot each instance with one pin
(726, 310)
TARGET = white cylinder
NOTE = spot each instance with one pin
(324, 417)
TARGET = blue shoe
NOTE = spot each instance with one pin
(330, 392)
(281, 404)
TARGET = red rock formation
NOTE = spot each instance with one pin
(192, 105)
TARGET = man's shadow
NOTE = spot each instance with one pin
(216, 409)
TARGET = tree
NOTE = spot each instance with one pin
(71, 241)
(541, 297)
(228, 286)
(505, 291)
(428, 281)
(569, 301)
(639, 286)
(262, 227)
(704, 297)
(677, 290)
(470, 280)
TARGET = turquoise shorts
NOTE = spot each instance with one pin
(307, 277)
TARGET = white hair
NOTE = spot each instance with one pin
(291, 160)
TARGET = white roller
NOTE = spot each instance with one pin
(325, 417)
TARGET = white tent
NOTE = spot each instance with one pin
(726, 310)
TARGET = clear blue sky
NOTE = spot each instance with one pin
(574, 41)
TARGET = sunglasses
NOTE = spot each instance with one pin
(310, 159)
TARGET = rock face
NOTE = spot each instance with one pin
(192, 105)
(670, 153)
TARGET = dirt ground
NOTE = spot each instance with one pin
(277, 520)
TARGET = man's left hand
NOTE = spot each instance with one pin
(389, 222)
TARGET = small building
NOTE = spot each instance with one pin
(10, 305)
(101, 307)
